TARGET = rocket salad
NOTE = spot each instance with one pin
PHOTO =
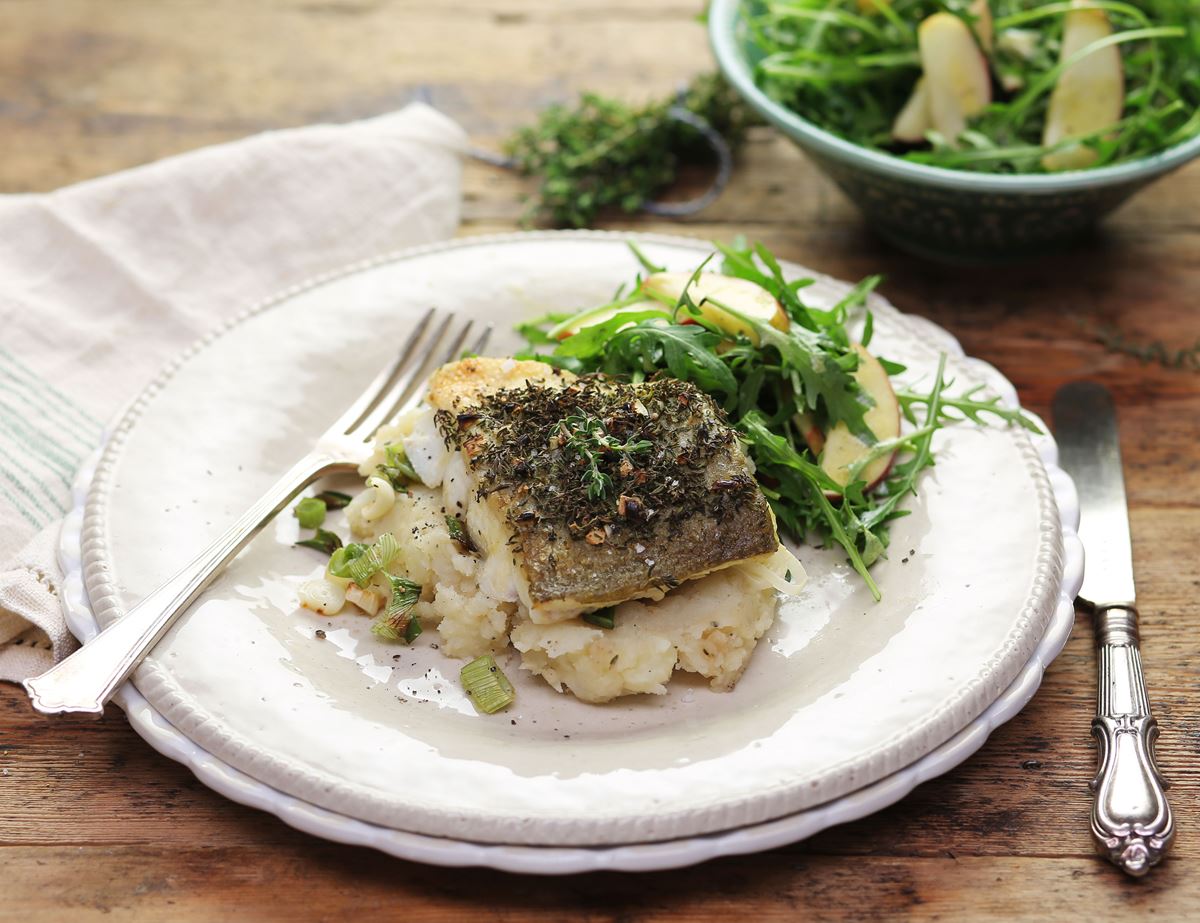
(1006, 86)
(817, 412)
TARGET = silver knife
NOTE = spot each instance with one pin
(1131, 820)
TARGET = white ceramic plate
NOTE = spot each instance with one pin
(561, 860)
(841, 694)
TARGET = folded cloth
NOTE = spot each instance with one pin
(103, 282)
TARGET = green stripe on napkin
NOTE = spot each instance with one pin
(44, 436)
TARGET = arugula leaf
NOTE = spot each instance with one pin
(592, 341)
(651, 268)
(534, 329)
(824, 371)
(777, 451)
(969, 406)
(687, 350)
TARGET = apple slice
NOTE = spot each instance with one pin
(1089, 95)
(838, 448)
(985, 31)
(572, 325)
(742, 295)
(956, 74)
(914, 119)
(812, 433)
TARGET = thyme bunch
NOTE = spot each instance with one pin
(604, 153)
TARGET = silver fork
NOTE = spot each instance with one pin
(87, 679)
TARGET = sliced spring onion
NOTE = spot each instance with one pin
(360, 562)
(327, 542)
(334, 499)
(601, 618)
(405, 594)
(459, 534)
(396, 622)
(341, 558)
(487, 685)
(311, 512)
(397, 469)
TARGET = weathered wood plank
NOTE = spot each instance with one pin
(243, 883)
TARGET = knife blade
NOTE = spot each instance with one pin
(1085, 425)
(1132, 823)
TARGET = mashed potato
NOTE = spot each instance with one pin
(708, 626)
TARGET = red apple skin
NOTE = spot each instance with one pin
(813, 437)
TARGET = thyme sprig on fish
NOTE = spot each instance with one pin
(587, 437)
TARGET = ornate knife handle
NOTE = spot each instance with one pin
(1131, 819)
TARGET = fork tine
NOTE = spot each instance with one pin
(354, 414)
(414, 376)
(474, 349)
(481, 341)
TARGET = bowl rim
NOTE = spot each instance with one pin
(723, 18)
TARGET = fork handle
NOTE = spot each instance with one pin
(1131, 819)
(83, 682)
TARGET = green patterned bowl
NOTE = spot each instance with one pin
(948, 215)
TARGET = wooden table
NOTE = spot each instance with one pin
(94, 824)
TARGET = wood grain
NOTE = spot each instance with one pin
(94, 824)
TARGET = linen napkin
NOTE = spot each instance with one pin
(103, 282)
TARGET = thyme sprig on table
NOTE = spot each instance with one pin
(1174, 358)
(603, 153)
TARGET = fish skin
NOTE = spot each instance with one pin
(565, 573)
